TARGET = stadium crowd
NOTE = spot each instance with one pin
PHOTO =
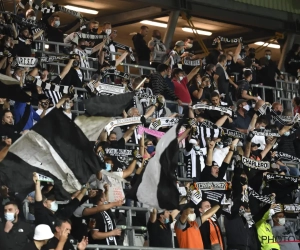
(232, 146)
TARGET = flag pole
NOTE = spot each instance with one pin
(141, 83)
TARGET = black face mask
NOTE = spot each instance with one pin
(76, 63)
(83, 47)
(114, 144)
(158, 37)
(278, 112)
(244, 181)
(94, 30)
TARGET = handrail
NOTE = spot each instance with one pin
(132, 248)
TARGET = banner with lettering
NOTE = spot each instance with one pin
(260, 165)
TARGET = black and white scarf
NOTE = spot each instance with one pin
(26, 62)
(281, 155)
(53, 87)
(291, 208)
(109, 226)
(114, 72)
(269, 199)
(122, 122)
(266, 132)
(233, 133)
(228, 40)
(213, 185)
(49, 59)
(278, 177)
(163, 122)
(118, 152)
(210, 107)
(193, 63)
(247, 216)
(104, 88)
(260, 165)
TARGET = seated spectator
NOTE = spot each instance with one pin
(242, 121)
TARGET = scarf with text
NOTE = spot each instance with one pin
(26, 62)
(266, 132)
(163, 122)
(114, 72)
(122, 122)
(109, 226)
(278, 177)
(260, 165)
(210, 107)
(233, 133)
(281, 155)
(50, 8)
(291, 208)
(193, 63)
(212, 185)
(228, 40)
(49, 59)
(104, 88)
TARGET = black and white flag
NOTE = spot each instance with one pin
(158, 187)
(56, 148)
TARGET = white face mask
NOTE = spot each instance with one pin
(108, 31)
(281, 221)
(9, 216)
(246, 107)
(192, 217)
(180, 78)
(54, 206)
(287, 133)
(268, 57)
(56, 24)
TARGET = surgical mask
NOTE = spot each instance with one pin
(189, 46)
(56, 24)
(182, 51)
(196, 148)
(281, 221)
(33, 18)
(150, 149)
(167, 221)
(108, 31)
(268, 57)
(83, 47)
(76, 63)
(54, 206)
(219, 145)
(246, 107)
(94, 30)
(192, 217)
(107, 166)
(9, 216)
(261, 127)
(287, 133)
(180, 78)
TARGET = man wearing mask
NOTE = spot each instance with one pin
(75, 76)
(210, 229)
(46, 209)
(14, 233)
(55, 33)
(285, 231)
(158, 49)
(242, 121)
(267, 74)
(175, 56)
(141, 48)
(35, 32)
(187, 226)
(159, 229)
(23, 48)
(223, 80)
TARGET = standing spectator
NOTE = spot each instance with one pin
(210, 72)
(25, 112)
(159, 229)
(14, 233)
(296, 105)
(141, 48)
(158, 49)
(80, 50)
(292, 60)
(267, 74)
(159, 85)
(23, 48)
(242, 121)
(75, 76)
(188, 45)
(54, 32)
(42, 234)
(199, 88)
(244, 90)
(180, 83)
(176, 55)
(222, 80)
(210, 229)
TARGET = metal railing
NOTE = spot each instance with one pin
(98, 247)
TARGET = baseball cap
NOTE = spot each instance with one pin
(42, 232)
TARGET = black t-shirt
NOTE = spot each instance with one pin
(205, 93)
(31, 246)
(160, 235)
(104, 223)
(223, 83)
(52, 244)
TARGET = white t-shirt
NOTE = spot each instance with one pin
(68, 114)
